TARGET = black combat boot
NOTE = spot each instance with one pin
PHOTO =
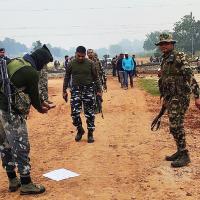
(173, 157)
(182, 160)
(79, 134)
(28, 187)
(90, 137)
(31, 188)
(14, 184)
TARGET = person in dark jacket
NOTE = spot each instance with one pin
(121, 70)
(2, 55)
(14, 142)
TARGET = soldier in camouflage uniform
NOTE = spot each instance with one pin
(14, 142)
(43, 86)
(176, 84)
(101, 73)
(83, 74)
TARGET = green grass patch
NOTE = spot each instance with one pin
(149, 85)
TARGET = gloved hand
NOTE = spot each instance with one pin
(65, 97)
(99, 94)
(43, 110)
(197, 103)
(46, 105)
(50, 105)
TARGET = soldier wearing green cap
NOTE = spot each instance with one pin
(176, 84)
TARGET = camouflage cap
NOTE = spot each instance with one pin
(165, 37)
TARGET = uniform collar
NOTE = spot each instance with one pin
(165, 56)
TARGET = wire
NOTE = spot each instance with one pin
(97, 8)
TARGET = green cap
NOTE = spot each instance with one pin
(165, 37)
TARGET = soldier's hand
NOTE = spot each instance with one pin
(65, 96)
(99, 94)
(44, 110)
(46, 105)
(49, 105)
(197, 103)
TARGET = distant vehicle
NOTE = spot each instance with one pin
(106, 62)
(109, 61)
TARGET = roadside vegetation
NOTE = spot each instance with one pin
(149, 85)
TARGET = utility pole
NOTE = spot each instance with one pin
(192, 36)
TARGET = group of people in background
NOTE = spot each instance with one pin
(86, 80)
(125, 66)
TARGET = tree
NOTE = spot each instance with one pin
(101, 52)
(13, 48)
(152, 38)
(187, 34)
(115, 49)
(131, 46)
(36, 45)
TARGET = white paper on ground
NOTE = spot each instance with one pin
(60, 174)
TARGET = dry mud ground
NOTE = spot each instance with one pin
(126, 162)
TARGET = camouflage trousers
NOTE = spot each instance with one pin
(43, 84)
(83, 95)
(14, 144)
(177, 108)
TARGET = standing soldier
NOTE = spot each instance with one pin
(14, 142)
(43, 86)
(101, 72)
(83, 75)
(102, 76)
(2, 55)
(176, 84)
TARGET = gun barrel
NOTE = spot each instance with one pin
(6, 82)
(155, 125)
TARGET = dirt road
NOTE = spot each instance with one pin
(126, 162)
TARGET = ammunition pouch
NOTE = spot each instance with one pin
(176, 85)
(21, 101)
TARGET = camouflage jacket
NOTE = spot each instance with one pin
(100, 71)
(177, 77)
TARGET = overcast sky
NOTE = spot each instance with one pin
(93, 23)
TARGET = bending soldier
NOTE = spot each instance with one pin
(14, 142)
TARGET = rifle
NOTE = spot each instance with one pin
(99, 101)
(104, 87)
(6, 83)
(155, 125)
